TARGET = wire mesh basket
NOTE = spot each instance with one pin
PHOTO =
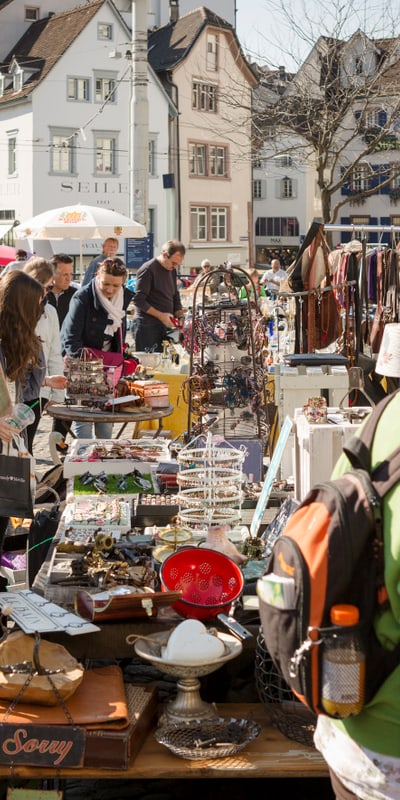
(284, 710)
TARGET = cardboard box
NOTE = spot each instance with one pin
(143, 454)
(107, 749)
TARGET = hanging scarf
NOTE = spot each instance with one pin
(115, 308)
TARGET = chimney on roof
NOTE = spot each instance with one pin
(282, 73)
(173, 10)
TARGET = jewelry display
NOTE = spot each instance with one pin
(225, 338)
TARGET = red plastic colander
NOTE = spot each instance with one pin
(209, 581)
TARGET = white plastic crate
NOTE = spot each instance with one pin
(317, 448)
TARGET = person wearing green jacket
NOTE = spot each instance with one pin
(253, 287)
(363, 751)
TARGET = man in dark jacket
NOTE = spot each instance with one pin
(62, 291)
(157, 301)
(109, 250)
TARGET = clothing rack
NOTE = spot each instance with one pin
(362, 228)
(318, 290)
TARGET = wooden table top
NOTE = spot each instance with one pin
(270, 755)
(83, 414)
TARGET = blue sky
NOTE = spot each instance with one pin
(270, 37)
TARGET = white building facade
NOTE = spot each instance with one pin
(67, 139)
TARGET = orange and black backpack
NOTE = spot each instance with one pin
(331, 552)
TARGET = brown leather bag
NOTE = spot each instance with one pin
(22, 655)
(100, 700)
(321, 311)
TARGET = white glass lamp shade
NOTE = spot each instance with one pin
(388, 362)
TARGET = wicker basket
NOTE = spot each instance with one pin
(285, 712)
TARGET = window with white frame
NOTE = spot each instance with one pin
(198, 223)
(259, 189)
(18, 80)
(209, 223)
(31, 13)
(219, 228)
(359, 178)
(104, 31)
(218, 160)
(105, 154)
(395, 179)
(78, 89)
(62, 151)
(212, 51)
(105, 89)
(286, 188)
(258, 163)
(283, 161)
(12, 152)
(204, 96)
(197, 159)
(208, 160)
(372, 119)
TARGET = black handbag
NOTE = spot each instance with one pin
(17, 481)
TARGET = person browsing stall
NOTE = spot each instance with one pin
(253, 288)
(157, 300)
(60, 295)
(21, 351)
(212, 283)
(109, 250)
(21, 355)
(272, 278)
(48, 330)
(97, 318)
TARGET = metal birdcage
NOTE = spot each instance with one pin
(88, 381)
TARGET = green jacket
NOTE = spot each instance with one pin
(260, 292)
(378, 726)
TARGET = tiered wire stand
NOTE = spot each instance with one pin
(210, 478)
(225, 339)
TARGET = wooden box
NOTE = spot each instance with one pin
(108, 749)
(154, 393)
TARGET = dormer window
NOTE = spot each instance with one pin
(104, 31)
(17, 81)
(212, 51)
(358, 65)
(31, 13)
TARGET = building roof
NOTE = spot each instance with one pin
(44, 43)
(171, 44)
